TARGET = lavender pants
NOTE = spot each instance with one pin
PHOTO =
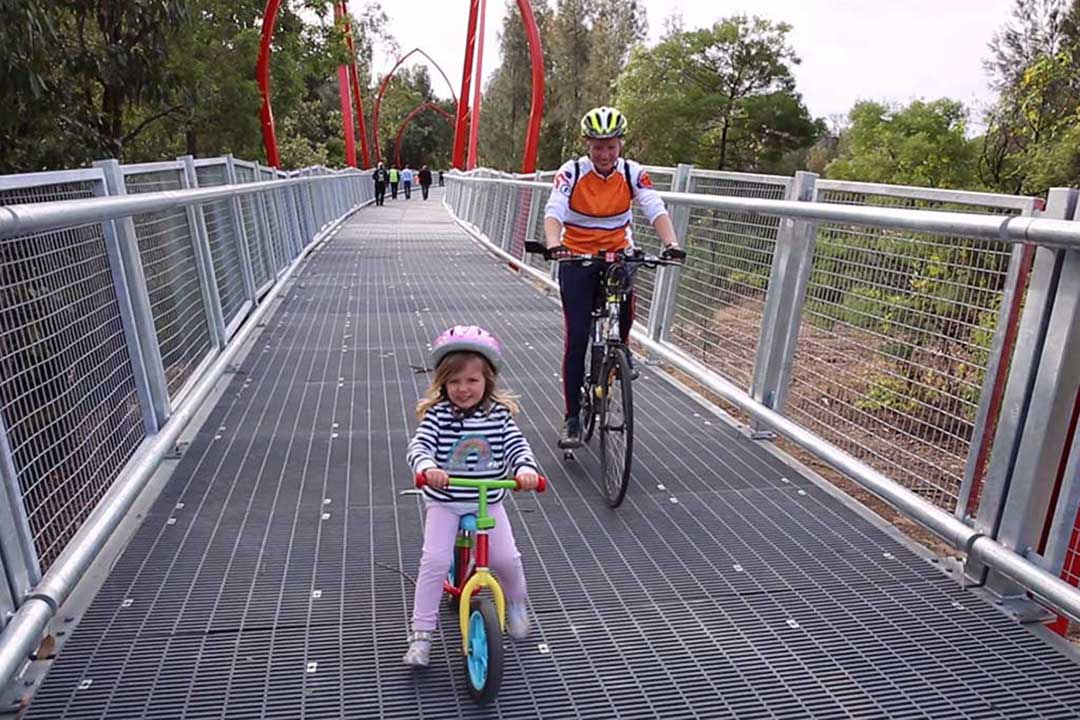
(440, 530)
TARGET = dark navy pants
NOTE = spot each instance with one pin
(578, 286)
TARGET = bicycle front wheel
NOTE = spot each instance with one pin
(616, 427)
(484, 661)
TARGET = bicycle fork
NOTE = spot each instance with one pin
(481, 578)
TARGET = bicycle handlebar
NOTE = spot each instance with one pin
(610, 256)
(507, 484)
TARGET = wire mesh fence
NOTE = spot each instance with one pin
(894, 342)
(167, 251)
(70, 395)
(645, 237)
(224, 250)
(253, 230)
(273, 210)
(67, 392)
(721, 296)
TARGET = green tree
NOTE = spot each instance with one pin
(85, 64)
(1033, 67)
(721, 97)
(921, 144)
(589, 43)
(508, 97)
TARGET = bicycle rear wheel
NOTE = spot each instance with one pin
(616, 426)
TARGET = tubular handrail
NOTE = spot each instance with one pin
(24, 630)
(977, 546)
(1062, 234)
(38, 217)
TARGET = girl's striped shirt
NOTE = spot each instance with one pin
(485, 444)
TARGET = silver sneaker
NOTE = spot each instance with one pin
(419, 652)
(517, 620)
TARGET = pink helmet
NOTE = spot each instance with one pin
(471, 338)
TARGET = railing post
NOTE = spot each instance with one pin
(240, 232)
(1001, 351)
(508, 225)
(473, 190)
(120, 233)
(18, 555)
(1024, 472)
(281, 202)
(262, 216)
(1060, 539)
(788, 278)
(662, 311)
(322, 202)
(307, 200)
(293, 211)
(200, 238)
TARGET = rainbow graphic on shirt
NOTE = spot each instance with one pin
(471, 453)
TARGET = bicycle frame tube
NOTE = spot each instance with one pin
(615, 288)
(481, 577)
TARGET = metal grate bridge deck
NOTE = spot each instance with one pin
(267, 580)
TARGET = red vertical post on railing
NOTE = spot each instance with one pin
(458, 157)
(474, 123)
(262, 76)
(347, 131)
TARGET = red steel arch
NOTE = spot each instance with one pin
(262, 76)
(536, 56)
(536, 112)
(382, 90)
(408, 119)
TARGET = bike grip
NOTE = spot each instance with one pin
(541, 483)
(420, 480)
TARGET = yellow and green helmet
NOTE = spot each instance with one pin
(603, 122)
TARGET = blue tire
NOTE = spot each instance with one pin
(484, 661)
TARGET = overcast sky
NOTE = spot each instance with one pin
(894, 50)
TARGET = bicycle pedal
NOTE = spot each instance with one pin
(568, 454)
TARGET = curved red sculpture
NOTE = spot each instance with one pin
(536, 57)
(262, 75)
(408, 119)
(354, 74)
(536, 112)
(382, 90)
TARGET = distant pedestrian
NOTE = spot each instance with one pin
(406, 179)
(425, 181)
(395, 177)
(380, 177)
(440, 178)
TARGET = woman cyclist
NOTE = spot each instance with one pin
(589, 211)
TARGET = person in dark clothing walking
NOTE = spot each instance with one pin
(440, 178)
(425, 181)
(380, 177)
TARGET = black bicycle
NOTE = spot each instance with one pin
(607, 399)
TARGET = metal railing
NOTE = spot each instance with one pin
(124, 292)
(874, 326)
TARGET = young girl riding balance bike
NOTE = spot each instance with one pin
(466, 430)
